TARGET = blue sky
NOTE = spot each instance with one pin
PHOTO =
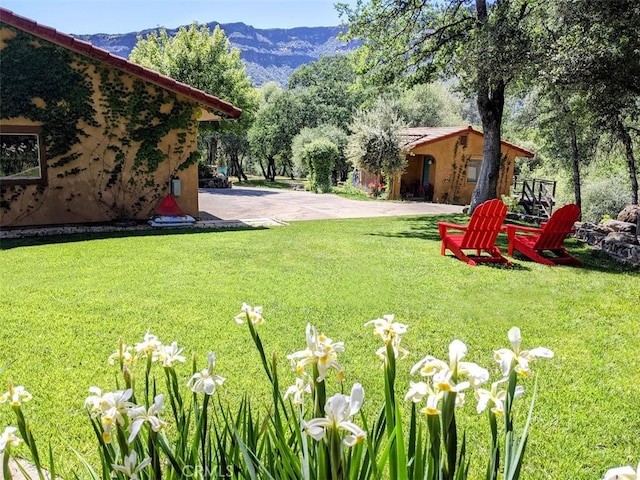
(118, 16)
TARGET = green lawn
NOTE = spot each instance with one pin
(66, 301)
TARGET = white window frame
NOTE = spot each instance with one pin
(473, 167)
(8, 131)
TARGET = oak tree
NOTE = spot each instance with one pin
(485, 44)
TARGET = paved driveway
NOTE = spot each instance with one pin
(240, 203)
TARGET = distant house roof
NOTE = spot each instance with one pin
(415, 137)
(85, 48)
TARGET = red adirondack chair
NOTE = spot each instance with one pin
(479, 234)
(550, 238)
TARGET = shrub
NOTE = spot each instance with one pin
(604, 196)
(320, 155)
(307, 135)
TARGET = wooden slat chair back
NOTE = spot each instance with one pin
(533, 242)
(479, 234)
(484, 225)
(559, 226)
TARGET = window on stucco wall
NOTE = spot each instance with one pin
(473, 170)
(22, 158)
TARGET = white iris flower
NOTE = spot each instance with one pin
(123, 353)
(520, 358)
(110, 407)
(149, 347)
(206, 381)
(252, 314)
(322, 351)
(338, 410)
(168, 354)
(131, 468)
(390, 331)
(16, 396)
(139, 415)
(298, 390)
(495, 397)
(387, 328)
(623, 473)
(8, 438)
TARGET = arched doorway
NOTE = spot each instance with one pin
(427, 186)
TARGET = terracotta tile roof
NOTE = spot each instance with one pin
(418, 136)
(49, 34)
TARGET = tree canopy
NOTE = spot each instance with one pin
(203, 60)
(331, 83)
(375, 144)
(597, 55)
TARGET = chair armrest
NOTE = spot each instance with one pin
(443, 226)
(519, 228)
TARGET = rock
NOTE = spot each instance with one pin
(620, 226)
(600, 228)
(621, 237)
(621, 246)
(629, 214)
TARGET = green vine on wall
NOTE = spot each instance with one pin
(31, 69)
(458, 174)
(142, 116)
(503, 179)
(137, 119)
(44, 70)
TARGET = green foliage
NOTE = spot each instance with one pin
(483, 44)
(320, 155)
(604, 195)
(278, 121)
(321, 93)
(331, 83)
(431, 105)
(203, 60)
(330, 132)
(136, 121)
(591, 52)
(375, 144)
(137, 438)
(348, 190)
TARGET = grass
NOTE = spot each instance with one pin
(281, 183)
(67, 300)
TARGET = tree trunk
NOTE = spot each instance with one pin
(271, 169)
(264, 174)
(625, 138)
(235, 168)
(575, 164)
(212, 154)
(490, 106)
(575, 152)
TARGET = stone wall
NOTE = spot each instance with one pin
(617, 239)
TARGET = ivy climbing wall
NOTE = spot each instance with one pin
(113, 142)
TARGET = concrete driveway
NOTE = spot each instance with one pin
(241, 203)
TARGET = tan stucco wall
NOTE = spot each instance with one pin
(78, 191)
(448, 173)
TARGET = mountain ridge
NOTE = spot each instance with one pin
(270, 54)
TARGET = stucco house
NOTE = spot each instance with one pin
(443, 164)
(87, 136)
